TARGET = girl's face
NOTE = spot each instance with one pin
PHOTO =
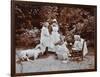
(46, 25)
(77, 39)
(54, 24)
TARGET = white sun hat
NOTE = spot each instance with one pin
(54, 20)
(77, 37)
(46, 23)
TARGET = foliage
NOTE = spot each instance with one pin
(71, 20)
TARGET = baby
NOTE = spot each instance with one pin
(77, 44)
(80, 45)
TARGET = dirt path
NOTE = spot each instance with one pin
(51, 64)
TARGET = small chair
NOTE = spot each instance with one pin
(77, 55)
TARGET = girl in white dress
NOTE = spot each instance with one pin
(44, 39)
(55, 36)
(45, 36)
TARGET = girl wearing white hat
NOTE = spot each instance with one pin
(45, 36)
(55, 36)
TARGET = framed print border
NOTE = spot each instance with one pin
(13, 39)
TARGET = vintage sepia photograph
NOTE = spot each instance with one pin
(50, 38)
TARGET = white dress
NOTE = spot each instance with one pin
(45, 38)
(55, 36)
(78, 45)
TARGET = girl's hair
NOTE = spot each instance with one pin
(50, 29)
